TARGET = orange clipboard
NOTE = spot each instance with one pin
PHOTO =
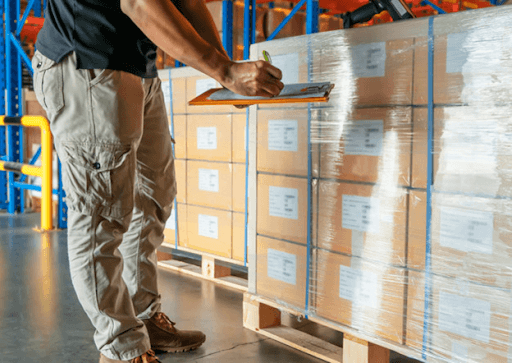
(293, 93)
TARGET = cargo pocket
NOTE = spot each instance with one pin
(48, 83)
(99, 179)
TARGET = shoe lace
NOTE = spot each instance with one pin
(164, 321)
(148, 357)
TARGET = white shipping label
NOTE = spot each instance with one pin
(283, 202)
(289, 66)
(282, 266)
(369, 60)
(364, 138)
(359, 287)
(456, 54)
(166, 89)
(207, 138)
(203, 85)
(467, 231)
(209, 180)
(208, 226)
(360, 213)
(283, 135)
(464, 316)
(171, 222)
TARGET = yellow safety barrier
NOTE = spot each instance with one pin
(45, 171)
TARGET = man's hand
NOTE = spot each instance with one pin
(254, 79)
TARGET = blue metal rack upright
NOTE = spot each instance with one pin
(11, 104)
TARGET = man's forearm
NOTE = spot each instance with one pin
(199, 16)
(162, 22)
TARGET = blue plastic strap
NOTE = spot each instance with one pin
(246, 184)
(287, 19)
(428, 285)
(171, 112)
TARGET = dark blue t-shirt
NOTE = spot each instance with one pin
(101, 35)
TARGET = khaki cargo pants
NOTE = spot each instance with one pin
(112, 137)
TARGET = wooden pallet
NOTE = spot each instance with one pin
(264, 317)
(210, 269)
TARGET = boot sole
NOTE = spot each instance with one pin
(185, 349)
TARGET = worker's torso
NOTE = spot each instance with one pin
(101, 35)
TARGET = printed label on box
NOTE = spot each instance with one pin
(171, 222)
(207, 138)
(459, 353)
(203, 85)
(360, 213)
(468, 231)
(283, 135)
(289, 66)
(208, 226)
(360, 287)
(464, 316)
(209, 180)
(369, 60)
(283, 202)
(364, 138)
(282, 266)
(166, 89)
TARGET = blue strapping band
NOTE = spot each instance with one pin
(174, 157)
(428, 277)
(246, 184)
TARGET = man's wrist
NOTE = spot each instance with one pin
(219, 65)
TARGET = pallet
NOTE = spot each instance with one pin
(209, 270)
(264, 317)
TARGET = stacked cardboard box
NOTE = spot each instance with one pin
(368, 207)
(210, 168)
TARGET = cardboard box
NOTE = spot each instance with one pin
(238, 236)
(376, 65)
(180, 136)
(197, 86)
(181, 180)
(471, 237)
(361, 294)
(239, 138)
(239, 192)
(470, 322)
(210, 230)
(283, 142)
(370, 145)
(363, 220)
(281, 271)
(471, 153)
(327, 23)
(467, 65)
(209, 137)
(210, 184)
(282, 207)
(170, 226)
(179, 96)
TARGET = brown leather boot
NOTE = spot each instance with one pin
(165, 337)
(148, 357)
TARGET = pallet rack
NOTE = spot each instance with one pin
(11, 104)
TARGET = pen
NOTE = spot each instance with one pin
(266, 56)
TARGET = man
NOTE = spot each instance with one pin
(94, 73)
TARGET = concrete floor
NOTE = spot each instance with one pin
(42, 321)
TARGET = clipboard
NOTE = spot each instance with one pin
(291, 93)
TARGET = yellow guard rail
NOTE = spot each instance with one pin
(44, 171)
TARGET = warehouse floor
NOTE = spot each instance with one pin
(42, 321)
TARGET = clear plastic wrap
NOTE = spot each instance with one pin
(343, 199)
